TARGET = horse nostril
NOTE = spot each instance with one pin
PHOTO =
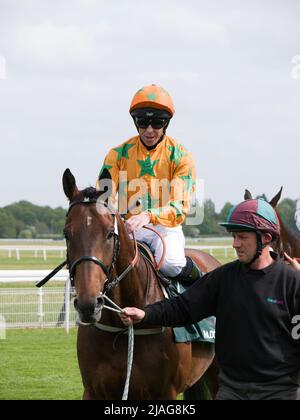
(100, 301)
(85, 307)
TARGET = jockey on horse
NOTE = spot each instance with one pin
(140, 167)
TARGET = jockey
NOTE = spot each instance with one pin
(155, 170)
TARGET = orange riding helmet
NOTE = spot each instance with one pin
(152, 97)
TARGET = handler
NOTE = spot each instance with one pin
(255, 300)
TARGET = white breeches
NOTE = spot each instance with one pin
(175, 242)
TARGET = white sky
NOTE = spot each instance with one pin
(69, 68)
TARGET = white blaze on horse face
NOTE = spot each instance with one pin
(116, 227)
(297, 214)
(89, 221)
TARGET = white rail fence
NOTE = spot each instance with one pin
(29, 307)
(43, 251)
(15, 250)
(213, 250)
(22, 305)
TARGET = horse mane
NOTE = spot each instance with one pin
(290, 239)
(90, 193)
(291, 232)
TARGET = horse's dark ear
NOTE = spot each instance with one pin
(69, 184)
(276, 199)
(104, 185)
(248, 195)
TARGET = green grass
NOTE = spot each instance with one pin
(29, 285)
(39, 365)
(29, 262)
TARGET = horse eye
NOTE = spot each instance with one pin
(110, 235)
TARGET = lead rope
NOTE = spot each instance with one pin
(130, 345)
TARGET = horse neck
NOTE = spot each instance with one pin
(132, 289)
(290, 241)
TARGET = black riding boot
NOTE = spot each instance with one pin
(190, 273)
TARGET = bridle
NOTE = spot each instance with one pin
(108, 284)
(88, 258)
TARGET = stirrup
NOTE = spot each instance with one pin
(190, 273)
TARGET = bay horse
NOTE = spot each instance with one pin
(97, 256)
(289, 240)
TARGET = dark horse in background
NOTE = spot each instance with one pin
(97, 256)
(289, 241)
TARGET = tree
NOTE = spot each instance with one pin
(191, 231)
(263, 197)
(223, 215)
(7, 225)
(41, 229)
(32, 221)
(210, 223)
(26, 234)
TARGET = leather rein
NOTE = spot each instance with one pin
(108, 285)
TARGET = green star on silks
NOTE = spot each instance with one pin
(123, 151)
(152, 97)
(189, 182)
(147, 166)
(176, 154)
(148, 202)
(108, 167)
(178, 206)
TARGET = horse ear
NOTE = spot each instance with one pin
(104, 185)
(276, 199)
(248, 195)
(69, 184)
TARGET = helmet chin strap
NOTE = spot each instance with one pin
(260, 247)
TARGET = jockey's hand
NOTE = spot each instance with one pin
(131, 316)
(135, 223)
(292, 261)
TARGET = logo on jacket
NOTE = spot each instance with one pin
(275, 301)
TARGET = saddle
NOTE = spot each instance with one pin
(203, 331)
(148, 255)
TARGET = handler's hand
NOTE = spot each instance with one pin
(131, 316)
(293, 261)
(135, 223)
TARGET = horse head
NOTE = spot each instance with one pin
(90, 236)
(289, 240)
(275, 200)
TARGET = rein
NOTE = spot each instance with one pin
(108, 285)
(160, 264)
